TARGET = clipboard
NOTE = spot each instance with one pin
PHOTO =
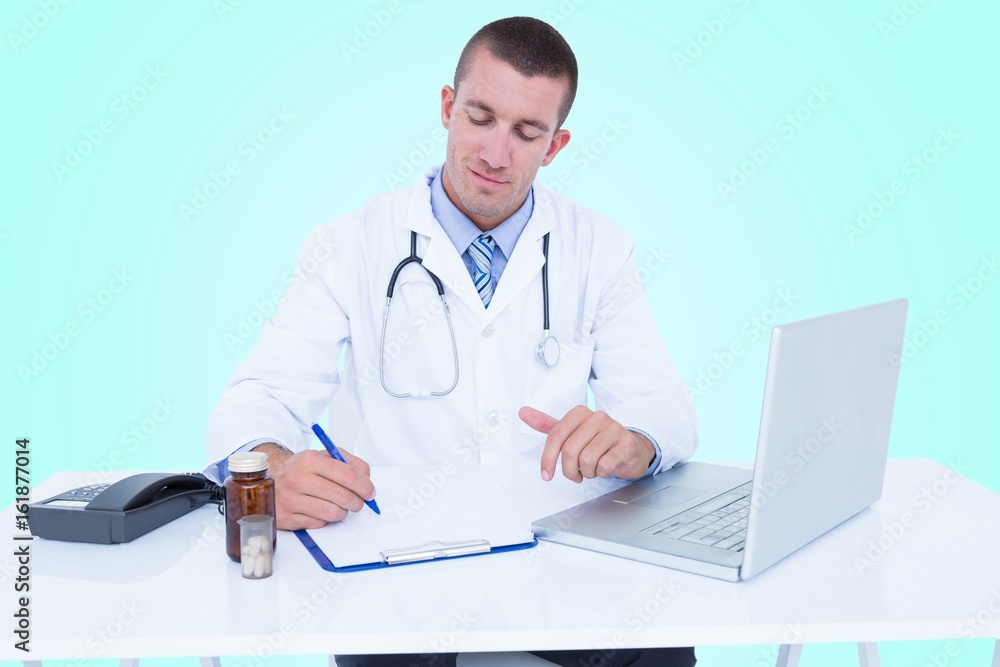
(431, 514)
(419, 554)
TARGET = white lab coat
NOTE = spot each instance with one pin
(599, 315)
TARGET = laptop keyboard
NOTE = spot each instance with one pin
(711, 524)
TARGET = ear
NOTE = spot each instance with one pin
(559, 141)
(447, 104)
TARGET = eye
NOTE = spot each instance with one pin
(527, 137)
(479, 121)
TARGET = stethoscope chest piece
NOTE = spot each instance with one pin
(548, 350)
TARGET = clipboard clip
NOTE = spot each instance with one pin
(433, 550)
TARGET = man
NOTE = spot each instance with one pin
(483, 230)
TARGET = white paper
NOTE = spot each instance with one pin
(421, 505)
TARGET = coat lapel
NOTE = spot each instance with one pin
(438, 252)
(441, 257)
(525, 263)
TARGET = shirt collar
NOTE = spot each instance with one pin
(463, 231)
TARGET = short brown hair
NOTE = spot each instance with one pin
(531, 47)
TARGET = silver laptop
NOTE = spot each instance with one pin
(821, 454)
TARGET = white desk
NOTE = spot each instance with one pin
(173, 592)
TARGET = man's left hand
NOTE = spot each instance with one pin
(592, 444)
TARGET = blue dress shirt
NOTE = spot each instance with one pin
(463, 232)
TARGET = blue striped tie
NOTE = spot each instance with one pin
(481, 251)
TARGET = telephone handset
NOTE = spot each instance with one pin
(122, 511)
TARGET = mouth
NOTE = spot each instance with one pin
(486, 180)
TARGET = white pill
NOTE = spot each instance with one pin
(248, 566)
(254, 545)
(258, 568)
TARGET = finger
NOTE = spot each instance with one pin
(357, 462)
(296, 510)
(627, 459)
(554, 443)
(348, 475)
(313, 473)
(537, 419)
(582, 450)
(592, 455)
(316, 495)
(298, 522)
(309, 518)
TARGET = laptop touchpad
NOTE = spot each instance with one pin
(668, 497)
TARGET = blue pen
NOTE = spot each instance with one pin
(335, 453)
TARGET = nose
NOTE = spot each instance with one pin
(496, 149)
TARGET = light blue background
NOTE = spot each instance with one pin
(895, 75)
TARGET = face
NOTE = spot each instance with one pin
(501, 129)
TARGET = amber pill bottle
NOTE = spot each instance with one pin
(249, 490)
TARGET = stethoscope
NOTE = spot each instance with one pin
(547, 351)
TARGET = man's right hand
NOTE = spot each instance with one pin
(311, 489)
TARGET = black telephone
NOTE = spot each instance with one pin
(121, 512)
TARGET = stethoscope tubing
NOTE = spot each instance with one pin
(547, 351)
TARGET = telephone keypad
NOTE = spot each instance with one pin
(85, 493)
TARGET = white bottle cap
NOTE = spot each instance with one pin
(248, 462)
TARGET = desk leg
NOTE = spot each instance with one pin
(788, 655)
(128, 662)
(868, 654)
(31, 663)
(210, 662)
(996, 654)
